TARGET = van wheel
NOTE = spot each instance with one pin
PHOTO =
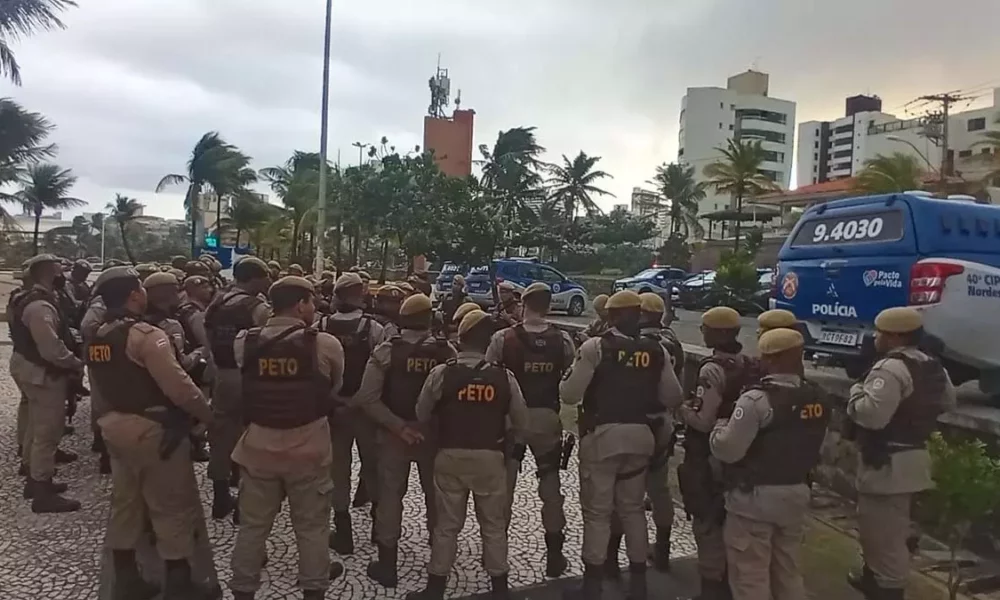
(576, 306)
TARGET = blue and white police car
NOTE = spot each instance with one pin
(567, 294)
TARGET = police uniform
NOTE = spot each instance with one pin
(22, 406)
(78, 282)
(622, 381)
(768, 447)
(42, 366)
(151, 404)
(388, 300)
(895, 410)
(506, 309)
(226, 316)
(471, 400)
(290, 372)
(538, 353)
(721, 379)
(395, 374)
(454, 300)
(599, 326)
(460, 313)
(168, 320)
(92, 319)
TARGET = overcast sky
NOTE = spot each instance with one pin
(133, 84)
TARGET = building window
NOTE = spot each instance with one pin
(720, 125)
(816, 144)
(730, 128)
(842, 153)
(985, 151)
(815, 156)
(732, 107)
(977, 124)
(680, 152)
(964, 153)
(721, 105)
(814, 180)
(815, 169)
(817, 131)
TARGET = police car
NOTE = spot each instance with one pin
(665, 281)
(567, 294)
(847, 260)
(442, 285)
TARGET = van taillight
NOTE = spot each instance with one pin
(927, 281)
(774, 283)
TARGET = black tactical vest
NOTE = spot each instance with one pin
(184, 313)
(282, 385)
(537, 361)
(123, 384)
(740, 371)
(916, 416)
(409, 365)
(784, 452)
(20, 335)
(223, 320)
(355, 337)
(472, 411)
(625, 385)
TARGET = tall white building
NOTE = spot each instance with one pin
(743, 110)
(649, 204)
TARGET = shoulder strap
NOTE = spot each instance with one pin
(272, 341)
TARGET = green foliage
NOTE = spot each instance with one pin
(680, 193)
(886, 174)
(19, 18)
(675, 251)
(624, 258)
(967, 490)
(737, 270)
(738, 174)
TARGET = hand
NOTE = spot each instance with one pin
(410, 436)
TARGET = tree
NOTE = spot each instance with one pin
(248, 213)
(738, 174)
(22, 134)
(19, 18)
(124, 210)
(511, 181)
(887, 174)
(296, 183)
(675, 252)
(676, 185)
(571, 185)
(46, 186)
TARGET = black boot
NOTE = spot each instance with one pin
(889, 594)
(234, 478)
(313, 594)
(64, 457)
(555, 562)
(98, 446)
(433, 591)
(661, 551)
(104, 464)
(342, 538)
(383, 570)
(129, 584)
(498, 588)
(712, 589)
(243, 595)
(180, 587)
(46, 499)
(591, 588)
(361, 497)
(222, 500)
(637, 581)
(373, 514)
(336, 570)
(30, 485)
(198, 452)
(611, 569)
(23, 470)
(864, 582)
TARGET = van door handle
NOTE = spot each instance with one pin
(832, 267)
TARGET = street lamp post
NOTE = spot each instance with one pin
(896, 138)
(324, 130)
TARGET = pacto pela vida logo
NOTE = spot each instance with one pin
(886, 279)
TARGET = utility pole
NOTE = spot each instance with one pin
(324, 131)
(946, 100)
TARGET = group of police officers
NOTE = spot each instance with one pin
(285, 373)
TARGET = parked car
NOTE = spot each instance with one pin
(442, 285)
(567, 294)
(663, 280)
(694, 289)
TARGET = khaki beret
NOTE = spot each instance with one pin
(624, 299)
(112, 273)
(273, 264)
(721, 317)
(463, 310)
(458, 279)
(364, 276)
(773, 319)
(82, 264)
(506, 286)
(295, 269)
(252, 263)
(600, 301)
(536, 288)
(40, 259)
(899, 320)
(145, 268)
(178, 261)
(415, 304)
(195, 280)
(408, 289)
(215, 265)
(291, 281)
(158, 279)
(195, 266)
(470, 321)
(325, 274)
(778, 340)
(393, 292)
(347, 280)
(205, 258)
(652, 303)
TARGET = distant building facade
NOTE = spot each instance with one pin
(451, 141)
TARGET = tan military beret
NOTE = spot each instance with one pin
(273, 264)
(600, 301)
(536, 288)
(325, 275)
(195, 281)
(295, 269)
(393, 292)
(463, 310)
(41, 259)
(415, 304)
(408, 289)
(721, 317)
(145, 268)
(82, 264)
(624, 299)
(205, 258)
(778, 340)
(178, 261)
(291, 281)
(652, 303)
(773, 319)
(899, 320)
(112, 273)
(459, 279)
(194, 267)
(252, 264)
(347, 280)
(215, 265)
(364, 276)
(470, 321)
(158, 279)
(506, 286)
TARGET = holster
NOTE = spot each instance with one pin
(176, 427)
(702, 495)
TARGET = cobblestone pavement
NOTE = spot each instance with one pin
(56, 557)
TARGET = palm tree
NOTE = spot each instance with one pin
(21, 142)
(247, 214)
(296, 183)
(123, 210)
(510, 178)
(571, 184)
(738, 174)
(677, 187)
(46, 186)
(19, 18)
(886, 174)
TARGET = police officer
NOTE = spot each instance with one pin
(460, 313)
(290, 373)
(454, 300)
(396, 373)
(191, 312)
(43, 367)
(774, 319)
(623, 380)
(895, 410)
(78, 281)
(768, 447)
(92, 319)
(178, 261)
(538, 353)
(151, 403)
(507, 311)
(162, 312)
(653, 322)
(240, 308)
(599, 325)
(295, 269)
(388, 300)
(721, 379)
(471, 400)
(145, 270)
(273, 268)
(359, 335)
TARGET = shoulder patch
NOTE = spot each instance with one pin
(738, 413)
(878, 383)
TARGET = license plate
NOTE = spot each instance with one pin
(839, 338)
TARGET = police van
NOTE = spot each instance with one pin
(847, 260)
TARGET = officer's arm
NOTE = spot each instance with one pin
(569, 348)
(260, 314)
(377, 334)
(197, 324)
(577, 379)
(369, 394)
(430, 394)
(518, 412)
(494, 352)
(41, 319)
(669, 391)
(711, 381)
(176, 332)
(151, 349)
(731, 439)
(92, 319)
(239, 348)
(874, 401)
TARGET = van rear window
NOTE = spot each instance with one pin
(854, 229)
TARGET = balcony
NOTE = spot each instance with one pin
(760, 134)
(762, 115)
